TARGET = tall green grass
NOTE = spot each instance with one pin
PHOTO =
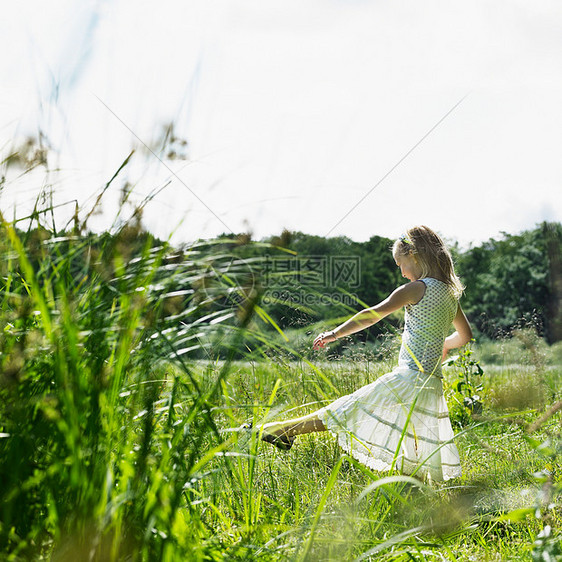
(101, 440)
(124, 374)
(495, 512)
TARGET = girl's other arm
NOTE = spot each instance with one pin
(410, 293)
(462, 335)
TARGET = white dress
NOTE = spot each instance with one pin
(401, 420)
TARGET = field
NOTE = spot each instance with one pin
(117, 417)
(313, 503)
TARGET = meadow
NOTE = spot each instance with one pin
(325, 506)
(125, 375)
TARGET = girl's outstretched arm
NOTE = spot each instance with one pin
(410, 293)
(462, 335)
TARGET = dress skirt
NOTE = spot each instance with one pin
(398, 422)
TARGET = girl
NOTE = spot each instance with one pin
(401, 419)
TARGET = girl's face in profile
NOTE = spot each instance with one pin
(408, 267)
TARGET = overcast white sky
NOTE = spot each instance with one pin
(294, 111)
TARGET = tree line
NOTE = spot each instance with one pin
(511, 282)
(300, 279)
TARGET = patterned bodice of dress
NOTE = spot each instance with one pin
(427, 324)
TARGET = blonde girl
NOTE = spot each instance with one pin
(401, 420)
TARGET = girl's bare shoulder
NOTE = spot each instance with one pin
(411, 293)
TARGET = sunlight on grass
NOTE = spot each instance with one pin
(129, 365)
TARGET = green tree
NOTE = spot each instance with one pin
(514, 280)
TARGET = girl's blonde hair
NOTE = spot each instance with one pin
(431, 254)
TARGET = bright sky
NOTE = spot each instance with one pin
(294, 112)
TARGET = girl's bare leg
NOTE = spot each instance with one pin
(296, 426)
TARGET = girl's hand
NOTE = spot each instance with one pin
(446, 350)
(322, 339)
